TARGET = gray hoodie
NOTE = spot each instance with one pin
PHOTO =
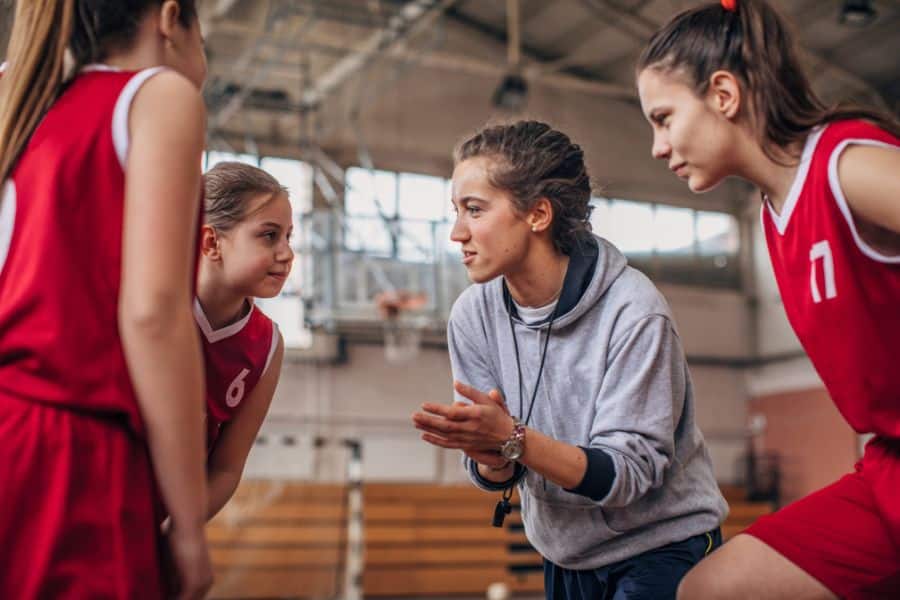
(616, 380)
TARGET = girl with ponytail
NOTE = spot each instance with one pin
(101, 384)
(725, 94)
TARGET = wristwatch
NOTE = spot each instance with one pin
(514, 447)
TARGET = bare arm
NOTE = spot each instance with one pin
(561, 463)
(227, 461)
(162, 187)
(870, 179)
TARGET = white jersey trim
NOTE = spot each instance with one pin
(216, 335)
(123, 107)
(7, 219)
(273, 347)
(94, 67)
(3, 67)
(790, 203)
(835, 184)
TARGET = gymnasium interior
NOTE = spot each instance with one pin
(356, 106)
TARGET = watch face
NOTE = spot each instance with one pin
(512, 450)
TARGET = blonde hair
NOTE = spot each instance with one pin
(42, 33)
(34, 74)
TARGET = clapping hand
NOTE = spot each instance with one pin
(478, 429)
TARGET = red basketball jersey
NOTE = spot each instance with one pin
(841, 295)
(236, 357)
(61, 252)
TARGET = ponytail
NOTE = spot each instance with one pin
(750, 39)
(44, 33)
(34, 74)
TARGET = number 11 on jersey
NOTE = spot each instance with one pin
(821, 252)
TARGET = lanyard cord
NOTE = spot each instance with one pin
(537, 382)
(503, 507)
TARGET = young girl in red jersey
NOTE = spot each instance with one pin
(100, 369)
(246, 254)
(725, 94)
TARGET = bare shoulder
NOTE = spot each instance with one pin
(869, 179)
(277, 357)
(868, 160)
(170, 95)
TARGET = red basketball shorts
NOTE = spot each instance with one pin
(846, 535)
(76, 507)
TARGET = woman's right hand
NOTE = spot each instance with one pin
(190, 557)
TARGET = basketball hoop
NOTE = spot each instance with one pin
(402, 331)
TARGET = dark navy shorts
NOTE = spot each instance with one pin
(653, 575)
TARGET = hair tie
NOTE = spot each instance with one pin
(730, 5)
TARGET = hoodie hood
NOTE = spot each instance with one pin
(594, 265)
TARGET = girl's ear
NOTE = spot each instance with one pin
(168, 20)
(724, 94)
(540, 217)
(209, 243)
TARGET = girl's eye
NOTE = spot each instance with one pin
(473, 210)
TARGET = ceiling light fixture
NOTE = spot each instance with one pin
(512, 93)
(857, 13)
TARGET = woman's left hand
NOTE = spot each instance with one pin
(481, 426)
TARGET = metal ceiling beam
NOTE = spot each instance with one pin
(628, 20)
(534, 61)
(443, 60)
(434, 59)
(648, 27)
(575, 39)
(457, 63)
(883, 29)
(235, 103)
(534, 10)
(409, 20)
(580, 37)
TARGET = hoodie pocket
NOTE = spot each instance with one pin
(623, 520)
(655, 506)
(565, 526)
(557, 499)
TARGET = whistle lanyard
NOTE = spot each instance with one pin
(537, 382)
(503, 507)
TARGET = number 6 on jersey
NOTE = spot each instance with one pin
(235, 392)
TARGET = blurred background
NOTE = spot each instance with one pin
(356, 105)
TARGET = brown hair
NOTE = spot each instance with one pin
(534, 161)
(42, 32)
(229, 186)
(755, 43)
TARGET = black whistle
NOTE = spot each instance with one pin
(502, 509)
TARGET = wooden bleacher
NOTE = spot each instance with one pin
(288, 540)
(741, 512)
(428, 539)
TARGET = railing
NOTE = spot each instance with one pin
(341, 275)
(345, 261)
(763, 473)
